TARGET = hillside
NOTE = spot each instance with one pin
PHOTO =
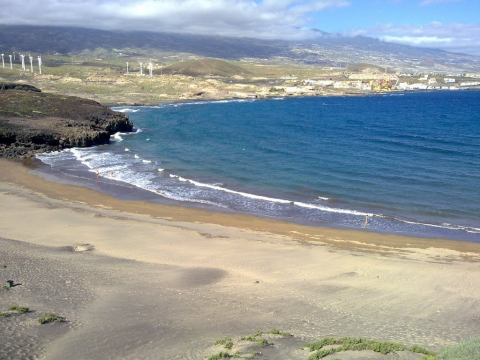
(206, 67)
(325, 50)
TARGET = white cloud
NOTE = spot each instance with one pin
(430, 2)
(418, 40)
(454, 37)
(260, 18)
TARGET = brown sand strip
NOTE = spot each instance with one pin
(17, 173)
(134, 285)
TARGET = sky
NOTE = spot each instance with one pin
(451, 25)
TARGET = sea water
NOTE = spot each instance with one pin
(411, 161)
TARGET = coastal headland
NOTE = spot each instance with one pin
(32, 121)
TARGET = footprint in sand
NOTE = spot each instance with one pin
(84, 247)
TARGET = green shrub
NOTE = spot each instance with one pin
(50, 318)
(275, 331)
(227, 342)
(420, 350)
(465, 350)
(20, 309)
(320, 354)
(263, 342)
(252, 337)
(2, 314)
(317, 345)
(359, 344)
(220, 355)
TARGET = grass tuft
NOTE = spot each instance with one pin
(275, 331)
(256, 339)
(358, 344)
(420, 350)
(227, 342)
(220, 355)
(465, 350)
(50, 318)
(20, 309)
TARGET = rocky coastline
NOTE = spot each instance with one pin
(33, 122)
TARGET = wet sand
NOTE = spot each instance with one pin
(141, 280)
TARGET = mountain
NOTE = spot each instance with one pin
(324, 50)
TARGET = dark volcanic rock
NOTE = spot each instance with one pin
(32, 122)
(14, 86)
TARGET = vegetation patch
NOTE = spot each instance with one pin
(256, 338)
(220, 355)
(50, 318)
(359, 344)
(227, 342)
(20, 309)
(465, 350)
(275, 331)
(4, 314)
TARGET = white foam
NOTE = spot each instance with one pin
(269, 199)
(469, 229)
(160, 170)
(127, 149)
(117, 137)
(146, 161)
(125, 110)
(323, 198)
(137, 157)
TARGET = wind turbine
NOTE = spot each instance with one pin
(10, 56)
(141, 72)
(40, 65)
(150, 69)
(22, 58)
(127, 67)
(31, 63)
(3, 60)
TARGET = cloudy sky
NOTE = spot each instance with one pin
(452, 25)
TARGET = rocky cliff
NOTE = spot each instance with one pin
(32, 122)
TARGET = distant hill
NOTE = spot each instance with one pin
(325, 50)
(365, 67)
(204, 67)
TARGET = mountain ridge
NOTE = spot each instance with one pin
(325, 50)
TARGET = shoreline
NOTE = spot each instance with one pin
(390, 221)
(17, 173)
(279, 96)
(142, 280)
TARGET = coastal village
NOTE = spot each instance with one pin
(180, 78)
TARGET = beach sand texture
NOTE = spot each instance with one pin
(144, 281)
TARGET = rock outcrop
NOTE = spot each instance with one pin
(33, 122)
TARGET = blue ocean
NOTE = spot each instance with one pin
(410, 161)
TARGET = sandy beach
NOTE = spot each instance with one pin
(137, 280)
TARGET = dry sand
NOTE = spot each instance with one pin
(143, 281)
